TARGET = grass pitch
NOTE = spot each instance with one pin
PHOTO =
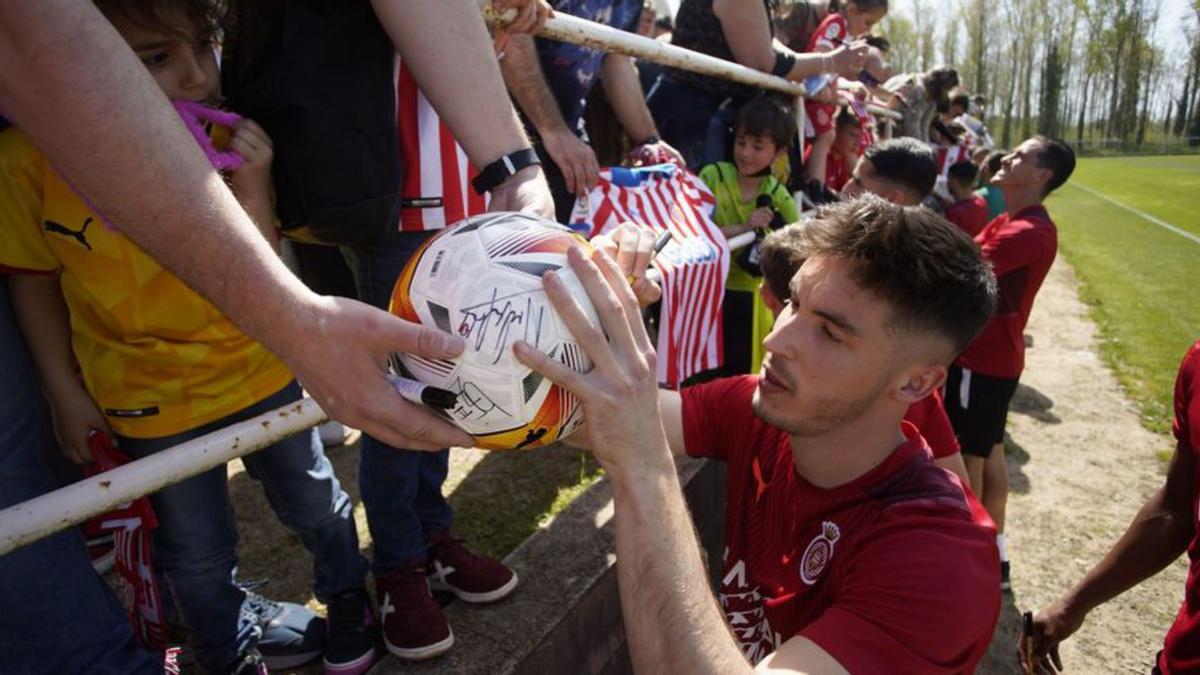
(1139, 278)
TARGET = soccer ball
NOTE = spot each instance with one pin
(482, 280)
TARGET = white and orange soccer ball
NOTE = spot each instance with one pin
(482, 280)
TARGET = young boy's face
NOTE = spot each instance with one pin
(848, 138)
(753, 153)
(184, 65)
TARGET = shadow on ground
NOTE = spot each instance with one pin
(1001, 658)
(1035, 404)
(1016, 457)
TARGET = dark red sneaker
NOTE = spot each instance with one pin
(413, 625)
(471, 577)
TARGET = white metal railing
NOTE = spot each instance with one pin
(28, 521)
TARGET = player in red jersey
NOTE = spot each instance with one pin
(1166, 526)
(848, 550)
(1020, 245)
(967, 210)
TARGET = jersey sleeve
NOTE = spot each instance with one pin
(929, 416)
(1187, 401)
(910, 606)
(830, 34)
(711, 410)
(23, 248)
(711, 176)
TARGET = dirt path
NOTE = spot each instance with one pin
(1080, 466)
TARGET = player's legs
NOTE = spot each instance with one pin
(995, 486)
(975, 474)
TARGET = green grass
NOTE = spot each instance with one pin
(1139, 280)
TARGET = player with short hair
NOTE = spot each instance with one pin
(847, 549)
(901, 170)
(1020, 245)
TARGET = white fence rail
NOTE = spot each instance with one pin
(42, 516)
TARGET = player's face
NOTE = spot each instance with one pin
(864, 180)
(1020, 169)
(830, 355)
(184, 65)
(752, 154)
(859, 22)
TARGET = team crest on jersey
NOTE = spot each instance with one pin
(819, 552)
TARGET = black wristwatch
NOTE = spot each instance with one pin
(500, 170)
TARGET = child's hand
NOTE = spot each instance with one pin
(74, 418)
(760, 218)
(252, 180)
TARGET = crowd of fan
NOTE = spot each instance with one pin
(356, 156)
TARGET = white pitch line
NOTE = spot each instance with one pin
(1161, 223)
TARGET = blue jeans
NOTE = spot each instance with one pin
(194, 545)
(401, 489)
(56, 614)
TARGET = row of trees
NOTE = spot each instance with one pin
(1093, 71)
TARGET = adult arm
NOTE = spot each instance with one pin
(746, 27)
(143, 170)
(446, 46)
(1159, 534)
(624, 92)
(527, 83)
(672, 621)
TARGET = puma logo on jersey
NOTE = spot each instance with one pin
(79, 235)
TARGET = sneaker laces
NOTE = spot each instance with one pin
(262, 607)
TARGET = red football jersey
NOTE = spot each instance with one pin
(1021, 247)
(830, 34)
(886, 573)
(970, 215)
(929, 417)
(1181, 650)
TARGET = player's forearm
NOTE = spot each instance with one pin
(672, 621)
(527, 84)
(624, 92)
(445, 44)
(140, 167)
(44, 322)
(1156, 537)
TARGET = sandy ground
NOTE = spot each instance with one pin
(1080, 466)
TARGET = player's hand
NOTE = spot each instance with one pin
(1039, 653)
(518, 16)
(848, 61)
(760, 218)
(75, 417)
(620, 394)
(632, 246)
(340, 352)
(525, 191)
(251, 180)
(574, 158)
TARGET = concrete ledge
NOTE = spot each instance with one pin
(565, 617)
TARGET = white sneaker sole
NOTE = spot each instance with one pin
(477, 598)
(421, 653)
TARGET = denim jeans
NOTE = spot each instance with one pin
(401, 489)
(194, 545)
(56, 614)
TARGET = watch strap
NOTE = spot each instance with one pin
(500, 170)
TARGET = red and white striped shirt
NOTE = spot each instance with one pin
(693, 265)
(436, 190)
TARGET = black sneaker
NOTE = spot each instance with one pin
(352, 636)
(1005, 584)
(291, 634)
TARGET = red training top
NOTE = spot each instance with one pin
(1181, 650)
(830, 34)
(886, 573)
(1021, 248)
(929, 417)
(970, 215)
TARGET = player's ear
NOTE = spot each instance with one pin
(919, 381)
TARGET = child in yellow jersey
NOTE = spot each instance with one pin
(749, 198)
(161, 365)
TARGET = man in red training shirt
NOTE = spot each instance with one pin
(1020, 245)
(968, 211)
(847, 548)
(1166, 526)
